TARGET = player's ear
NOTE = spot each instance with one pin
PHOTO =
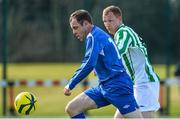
(85, 23)
(120, 18)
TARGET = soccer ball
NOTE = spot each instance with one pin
(25, 103)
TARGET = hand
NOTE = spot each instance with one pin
(67, 92)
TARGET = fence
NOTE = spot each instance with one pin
(164, 87)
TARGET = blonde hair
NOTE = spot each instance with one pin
(114, 9)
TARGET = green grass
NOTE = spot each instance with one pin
(41, 71)
(57, 70)
(51, 101)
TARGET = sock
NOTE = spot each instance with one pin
(80, 116)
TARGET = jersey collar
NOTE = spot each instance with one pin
(120, 25)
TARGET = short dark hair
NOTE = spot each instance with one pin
(81, 15)
(114, 9)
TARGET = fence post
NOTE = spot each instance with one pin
(4, 53)
(161, 98)
(11, 98)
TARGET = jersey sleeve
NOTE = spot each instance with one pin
(123, 41)
(88, 63)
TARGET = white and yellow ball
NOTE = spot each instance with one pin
(25, 103)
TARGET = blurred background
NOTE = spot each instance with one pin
(36, 44)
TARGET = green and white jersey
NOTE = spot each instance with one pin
(134, 55)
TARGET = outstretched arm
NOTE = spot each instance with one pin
(86, 67)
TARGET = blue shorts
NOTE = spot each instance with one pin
(118, 94)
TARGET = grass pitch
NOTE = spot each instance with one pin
(51, 101)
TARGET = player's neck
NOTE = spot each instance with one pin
(89, 28)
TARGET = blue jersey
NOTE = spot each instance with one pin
(102, 55)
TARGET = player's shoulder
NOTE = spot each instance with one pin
(98, 30)
(99, 33)
(123, 28)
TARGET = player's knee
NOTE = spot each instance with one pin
(70, 109)
(118, 115)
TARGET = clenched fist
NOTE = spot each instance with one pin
(67, 92)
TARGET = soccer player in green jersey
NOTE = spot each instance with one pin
(135, 59)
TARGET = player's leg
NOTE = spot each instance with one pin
(119, 92)
(90, 99)
(134, 114)
(148, 106)
(118, 115)
(149, 114)
(80, 104)
(124, 102)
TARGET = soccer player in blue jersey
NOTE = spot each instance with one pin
(115, 86)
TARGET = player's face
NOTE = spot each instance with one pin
(111, 22)
(77, 29)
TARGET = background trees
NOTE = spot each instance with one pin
(39, 29)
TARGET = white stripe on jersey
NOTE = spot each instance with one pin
(135, 56)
